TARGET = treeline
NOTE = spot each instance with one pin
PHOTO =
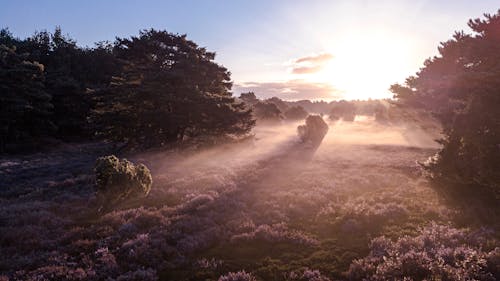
(145, 91)
(461, 87)
(274, 109)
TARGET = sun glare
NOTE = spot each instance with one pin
(364, 64)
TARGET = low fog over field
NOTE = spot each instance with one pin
(280, 149)
(271, 205)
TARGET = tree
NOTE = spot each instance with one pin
(343, 110)
(296, 113)
(168, 89)
(69, 72)
(461, 87)
(267, 112)
(282, 106)
(249, 98)
(25, 106)
(313, 131)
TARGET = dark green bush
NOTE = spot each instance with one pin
(118, 180)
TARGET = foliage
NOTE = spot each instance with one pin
(69, 71)
(438, 253)
(147, 90)
(461, 88)
(249, 98)
(267, 112)
(306, 275)
(237, 276)
(295, 113)
(344, 110)
(170, 89)
(25, 106)
(280, 104)
(117, 180)
(275, 234)
(314, 130)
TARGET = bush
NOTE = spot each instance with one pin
(237, 276)
(306, 275)
(117, 180)
(437, 253)
(314, 130)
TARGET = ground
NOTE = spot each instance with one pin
(273, 207)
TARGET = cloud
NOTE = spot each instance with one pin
(306, 69)
(316, 59)
(310, 64)
(289, 90)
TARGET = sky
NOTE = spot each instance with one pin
(290, 49)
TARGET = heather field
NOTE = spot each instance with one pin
(358, 207)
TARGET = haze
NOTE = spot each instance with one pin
(249, 140)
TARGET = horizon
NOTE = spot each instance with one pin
(352, 50)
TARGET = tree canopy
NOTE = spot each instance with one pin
(25, 106)
(344, 110)
(168, 89)
(68, 71)
(145, 90)
(267, 112)
(461, 87)
(295, 113)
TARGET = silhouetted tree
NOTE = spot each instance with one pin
(296, 113)
(25, 106)
(344, 110)
(461, 87)
(69, 72)
(249, 98)
(313, 131)
(267, 112)
(169, 89)
(282, 105)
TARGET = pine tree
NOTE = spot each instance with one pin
(461, 87)
(25, 106)
(169, 89)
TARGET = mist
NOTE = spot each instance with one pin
(147, 159)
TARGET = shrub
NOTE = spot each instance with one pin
(277, 233)
(438, 253)
(314, 130)
(117, 180)
(306, 275)
(237, 276)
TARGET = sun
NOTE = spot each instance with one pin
(365, 64)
